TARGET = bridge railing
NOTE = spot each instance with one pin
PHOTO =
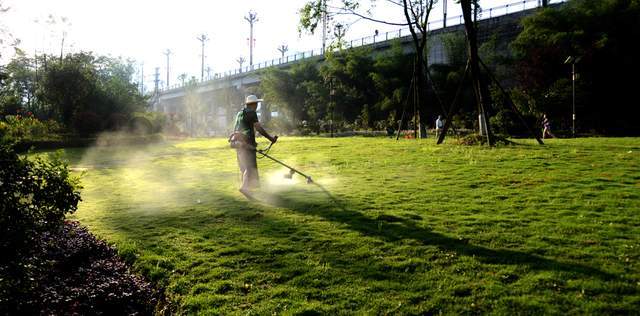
(483, 14)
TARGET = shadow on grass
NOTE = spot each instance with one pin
(398, 228)
(321, 203)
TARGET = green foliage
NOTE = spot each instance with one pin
(19, 87)
(390, 79)
(365, 89)
(158, 120)
(87, 122)
(84, 83)
(312, 12)
(601, 34)
(296, 92)
(351, 75)
(80, 91)
(455, 47)
(27, 128)
(36, 195)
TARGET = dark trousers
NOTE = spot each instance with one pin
(248, 167)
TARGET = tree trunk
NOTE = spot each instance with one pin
(420, 43)
(474, 64)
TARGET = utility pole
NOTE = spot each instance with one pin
(252, 18)
(202, 38)
(444, 13)
(167, 53)
(573, 92)
(324, 25)
(208, 72)
(157, 78)
(35, 59)
(332, 92)
(64, 34)
(66, 25)
(142, 78)
(283, 49)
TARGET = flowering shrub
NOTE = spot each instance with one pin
(18, 127)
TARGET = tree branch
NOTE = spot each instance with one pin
(394, 2)
(346, 11)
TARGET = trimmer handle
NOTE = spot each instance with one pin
(266, 150)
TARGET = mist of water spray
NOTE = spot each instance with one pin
(168, 176)
(156, 176)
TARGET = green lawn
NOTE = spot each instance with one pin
(403, 227)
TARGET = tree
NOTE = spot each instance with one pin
(389, 79)
(479, 86)
(182, 77)
(70, 86)
(18, 85)
(195, 110)
(416, 13)
(293, 90)
(96, 87)
(354, 89)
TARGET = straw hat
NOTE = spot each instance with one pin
(252, 99)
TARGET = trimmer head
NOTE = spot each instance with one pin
(289, 175)
(309, 181)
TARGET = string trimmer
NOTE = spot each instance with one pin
(292, 170)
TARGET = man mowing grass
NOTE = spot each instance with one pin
(243, 140)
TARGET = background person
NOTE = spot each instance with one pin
(546, 127)
(439, 125)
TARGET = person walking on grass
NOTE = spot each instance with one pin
(439, 126)
(546, 127)
(243, 140)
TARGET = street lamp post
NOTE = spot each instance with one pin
(573, 61)
(202, 38)
(573, 97)
(252, 18)
(331, 94)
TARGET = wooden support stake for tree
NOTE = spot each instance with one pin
(454, 108)
(406, 102)
(510, 101)
(433, 86)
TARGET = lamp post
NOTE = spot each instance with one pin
(252, 18)
(332, 92)
(573, 61)
(202, 38)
